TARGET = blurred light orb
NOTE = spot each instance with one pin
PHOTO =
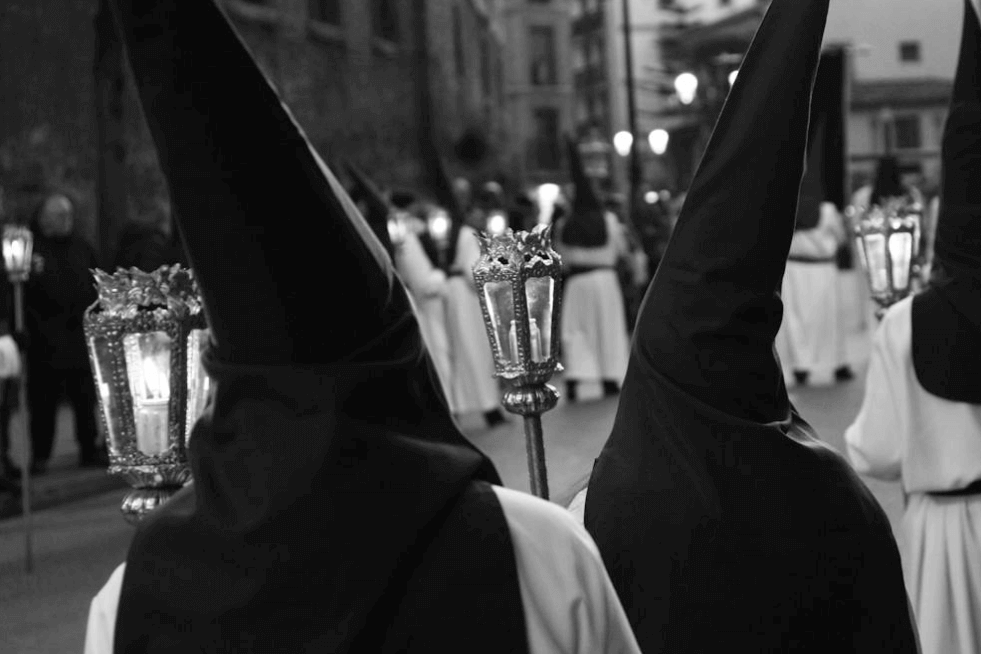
(497, 224)
(686, 84)
(651, 197)
(658, 138)
(623, 141)
(548, 193)
(732, 77)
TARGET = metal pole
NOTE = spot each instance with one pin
(25, 425)
(535, 444)
(631, 106)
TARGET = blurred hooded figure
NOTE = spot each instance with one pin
(725, 523)
(335, 505)
(920, 421)
(591, 240)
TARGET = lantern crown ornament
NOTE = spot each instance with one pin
(519, 281)
(145, 335)
(886, 237)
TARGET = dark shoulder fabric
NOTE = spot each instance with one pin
(360, 577)
(947, 341)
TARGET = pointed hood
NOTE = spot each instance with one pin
(446, 198)
(378, 209)
(812, 192)
(887, 182)
(302, 477)
(947, 318)
(586, 224)
(710, 317)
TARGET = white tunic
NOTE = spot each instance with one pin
(810, 338)
(427, 286)
(570, 606)
(594, 326)
(473, 386)
(930, 444)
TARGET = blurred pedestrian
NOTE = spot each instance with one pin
(56, 297)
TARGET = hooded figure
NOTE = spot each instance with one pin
(725, 523)
(810, 343)
(920, 422)
(335, 505)
(594, 328)
(378, 210)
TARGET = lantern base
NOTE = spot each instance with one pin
(141, 501)
(531, 400)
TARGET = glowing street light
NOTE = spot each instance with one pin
(623, 141)
(658, 138)
(686, 85)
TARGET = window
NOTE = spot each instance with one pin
(461, 62)
(546, 142)
(909, 51)
(385, 20)
(908, 134)
(326, 11)
(542, 48)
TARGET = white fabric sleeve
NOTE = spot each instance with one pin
(569, 602)
(875, 440)
(9, 357)
(420, 275)
(101, 627)
(468, 252)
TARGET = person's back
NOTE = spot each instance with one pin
(724, 522)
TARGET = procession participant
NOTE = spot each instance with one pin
(472, 385)
(811, 342)
(920, 421)
(425, 282)
(725, 523)
(594, 328)
(335, 505)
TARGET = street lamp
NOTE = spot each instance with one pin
(519, 282)
(686, 85)
(623, 141)
(886, 244)
(18, 255)
(658, 140)
(145, 335)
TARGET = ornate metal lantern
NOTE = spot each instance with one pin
(18, 252)
(887, 240)
(145, 335)
(519, 283)
(438, 226)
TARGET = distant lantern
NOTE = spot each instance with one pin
(886, 243)
(658, 139)
(686, 85)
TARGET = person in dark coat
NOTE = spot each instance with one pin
(57, 293)
(726, 524)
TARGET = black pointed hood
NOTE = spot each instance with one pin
(328, 444)
(447, 200)
(812, 193)
(715, 507)
(710, 317)
(586, 224)
(887, 183)
(378, 209)
(947, 318)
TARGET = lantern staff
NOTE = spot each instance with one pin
(18, 250)
(519, 282)
(145, 335)
(887, 240)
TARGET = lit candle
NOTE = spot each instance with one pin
(497, 223)
(536, 341)
(151, 410)
(513, 342)
(439, 226)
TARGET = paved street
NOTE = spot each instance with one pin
(77, 545)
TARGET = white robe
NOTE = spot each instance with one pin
(570, 605)
(930, 444)
(472, 383)
(811, 338)
(595, 345)
(427, 286)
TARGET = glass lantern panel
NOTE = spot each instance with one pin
(102, 354)
(148, 367)
(540, 294)
(900, 252)
(198, 381)
(860, 248)
(500, 307)
(878, 262)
